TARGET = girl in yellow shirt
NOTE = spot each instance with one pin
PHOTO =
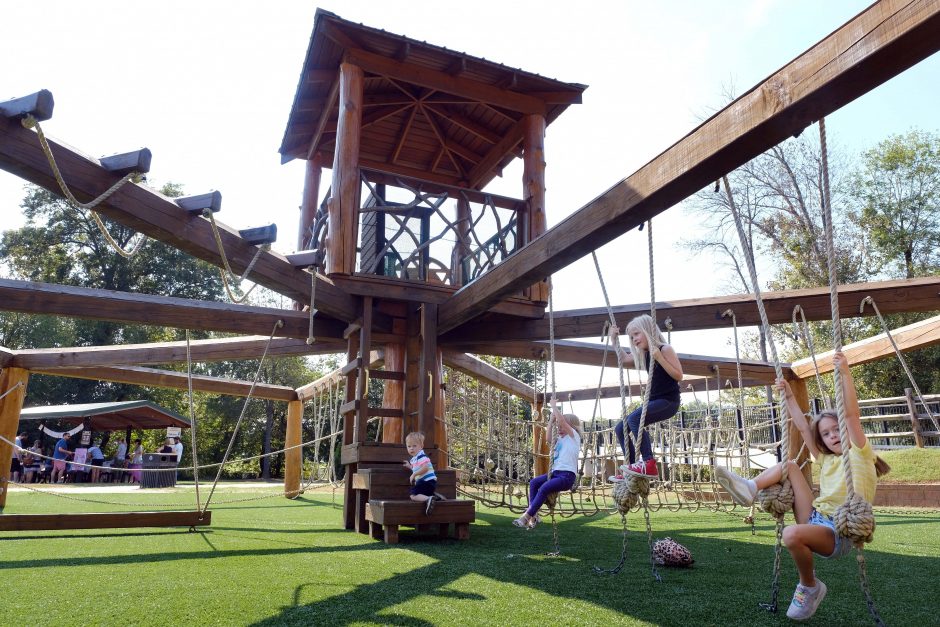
(814, 531)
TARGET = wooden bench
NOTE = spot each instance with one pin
(386, 516)
(387, 482)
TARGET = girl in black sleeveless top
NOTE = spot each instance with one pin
(649, 352)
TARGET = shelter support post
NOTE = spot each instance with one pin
(462, 245)
(343, 206)
(293, 458)
(10, 406)
(393, 395)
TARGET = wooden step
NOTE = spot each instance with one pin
(106, 520)
(390, 375)
(355, 364)
(385, 516)
(387, 412)
(393, 484)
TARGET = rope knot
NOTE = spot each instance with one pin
(627, 493)
(777, 499)
(855, 520)
(28, 122)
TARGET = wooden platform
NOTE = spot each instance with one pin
(391, 483)
(109, 520)
(385, 517)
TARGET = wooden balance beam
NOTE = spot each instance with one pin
(108, 520)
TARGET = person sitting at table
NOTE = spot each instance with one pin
(32, 463)
(167, 448)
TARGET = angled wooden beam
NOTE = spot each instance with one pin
(497, 152)
(442, 81)
(693, 314)
(877, 44)
(476, 367)
(172, 379)
(328, 103)
(221, 349)
(6, 357)
(585, 353)
(915, 336)
(159, 217)
(83, 302)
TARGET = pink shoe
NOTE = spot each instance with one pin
(643, 469)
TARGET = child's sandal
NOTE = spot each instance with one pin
(523, 523)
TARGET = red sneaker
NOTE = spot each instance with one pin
(645, 468)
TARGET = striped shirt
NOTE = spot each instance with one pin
(832, 479)
(419, 462)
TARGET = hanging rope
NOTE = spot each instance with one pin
(778, 498)
(228, 268)
(241, 416)
(313, 301)
(868, 300)
(802, 330)
(854, 519)
(30, 122)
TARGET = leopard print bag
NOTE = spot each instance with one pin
(668, 552)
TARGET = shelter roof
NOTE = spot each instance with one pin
(428, 112)
(110, 416)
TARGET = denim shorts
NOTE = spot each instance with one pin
(843, 545)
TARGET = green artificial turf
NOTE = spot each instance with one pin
(273, 562)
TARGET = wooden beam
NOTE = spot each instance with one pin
(221, 349)
(308, 391)
(175, 380)
(293, 459)
(475, 367)
(503, 202)
(343, 205)
(442, 81)
(83, 302)
(159, 217)
(107, 520)
(908, 338)
(572, 352)
(13, 382)
(877, 44)
(481, 171)
(328, 103)
(922, 294)
(6, 357)
(698, 384)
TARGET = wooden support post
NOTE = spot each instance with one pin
(801, 395)
(462, 245)
(311, 199)
(413, 373)
(344, 201)
(293, 459)
(440, 426)
(391, 534)
(362, 379)
(394, 394)
(10, 407)
(349, 494)
(915, 420)
(533, 189)
(430, 374)
(540, 440)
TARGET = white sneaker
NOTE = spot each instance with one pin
(806, 600)
(741, 490)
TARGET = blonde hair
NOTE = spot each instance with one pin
(881, 466)
(654, 337)
(575, 423)
(416, 436)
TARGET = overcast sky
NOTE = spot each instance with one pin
(208, 86)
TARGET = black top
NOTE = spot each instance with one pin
(661, 384)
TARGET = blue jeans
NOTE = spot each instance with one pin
(842, 546)
(659, 409)
(543, 485)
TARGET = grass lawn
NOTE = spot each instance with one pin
(912, 465)
(274, 562)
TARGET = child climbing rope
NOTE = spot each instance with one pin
(423, 477)
(815, 531)
(648, 351)
(563, 470)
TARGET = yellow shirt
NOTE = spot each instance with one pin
(832, 479)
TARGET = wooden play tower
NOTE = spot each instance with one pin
(408, 263)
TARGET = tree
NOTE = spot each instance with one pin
(896, 195)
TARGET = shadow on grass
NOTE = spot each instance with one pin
(730, 577)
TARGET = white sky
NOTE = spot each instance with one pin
(208, 86)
